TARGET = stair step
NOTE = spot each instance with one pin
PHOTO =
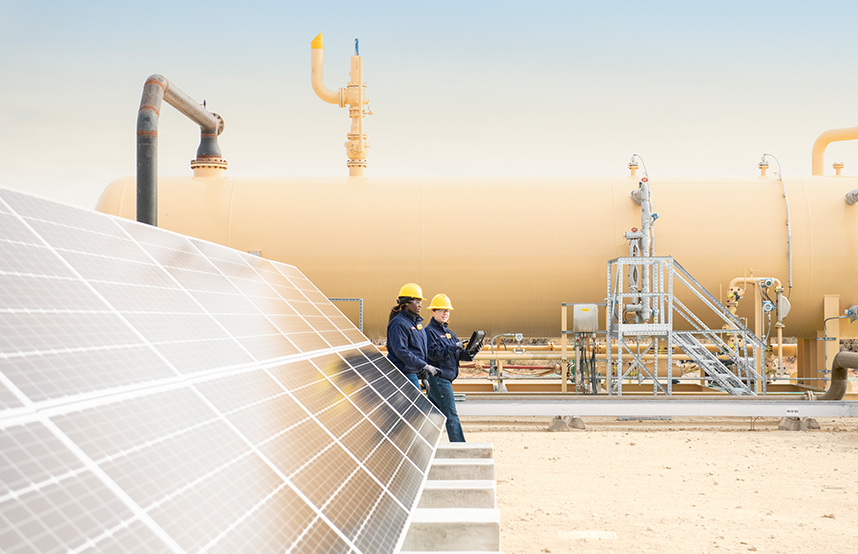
(460, 493)
(457, 469)
(456, 529)
(464, 450)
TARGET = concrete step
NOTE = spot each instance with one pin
(449, 450)
(464, 468)
(459, 493)
(453, 530)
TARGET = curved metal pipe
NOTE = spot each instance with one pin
(843, 362)
(157, 88)
(317, 74)
(851, 197)
(822, 142)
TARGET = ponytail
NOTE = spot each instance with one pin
(400, 303)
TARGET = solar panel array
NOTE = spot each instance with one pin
(160, 393)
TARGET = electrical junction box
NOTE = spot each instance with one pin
(585, 318)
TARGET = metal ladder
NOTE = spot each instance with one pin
(710, 364)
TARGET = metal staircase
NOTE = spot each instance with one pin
(710, 364)
(735, 367)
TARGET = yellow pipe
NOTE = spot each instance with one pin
(317, 76)
(780, 347)
(352, 96)
(746, 280)
(822, 142)
(542, 353)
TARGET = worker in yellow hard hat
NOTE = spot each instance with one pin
(445, 351)
(406, 341)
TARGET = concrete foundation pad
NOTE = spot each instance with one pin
(574, 422)
(557, 423)
(446, 530)
(793, 424)
(459, 493)
(457, 469)
(464, 450)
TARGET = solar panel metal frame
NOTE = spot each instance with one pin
(163, 393)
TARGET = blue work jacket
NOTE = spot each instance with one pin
(406, 342)
(443, 352)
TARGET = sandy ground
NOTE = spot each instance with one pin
(703, 485)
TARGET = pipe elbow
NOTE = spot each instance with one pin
(851, 197)
(822, 142)
(317, 75)
(843, 362)
(637, 196)
(150, 103)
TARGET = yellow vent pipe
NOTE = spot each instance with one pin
(353, 96)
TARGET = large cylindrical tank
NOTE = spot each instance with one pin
(509, 251)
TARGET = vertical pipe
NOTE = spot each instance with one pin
(156, 89)
(564, 341)
(646, 248)
(780, 347)
(147, 149)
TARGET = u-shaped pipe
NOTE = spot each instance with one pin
(843, 362)
(822, 142)
(211, 125)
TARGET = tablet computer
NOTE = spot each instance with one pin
(475, 341)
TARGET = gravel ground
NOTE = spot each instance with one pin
(703, 485)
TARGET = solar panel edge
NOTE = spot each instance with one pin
(332, 334)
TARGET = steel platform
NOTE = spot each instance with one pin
(556, 405)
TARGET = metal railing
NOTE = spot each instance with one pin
(735, 367)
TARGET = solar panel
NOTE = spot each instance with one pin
(160, 393)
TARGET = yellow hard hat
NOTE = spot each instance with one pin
(441, 302)
(411, 290)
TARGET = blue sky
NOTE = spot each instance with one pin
(457, 88)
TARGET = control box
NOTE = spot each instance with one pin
(585, 318)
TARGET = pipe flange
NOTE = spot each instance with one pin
(220, 123)
(208, 163)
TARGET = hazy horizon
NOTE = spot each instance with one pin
(545, 89)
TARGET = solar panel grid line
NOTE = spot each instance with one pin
(246, 260)
(235, 524)
(394, 408)
(181, 286)
(36, 486)
(101, 397)
(112, 310)
(196, 245)
(274, 466)
(113, 487)
(370, 514)
(322, 298)
(405, 459)
(188, 486)
(201, 478)
(27, 405)
(335, 440)
(104, 535)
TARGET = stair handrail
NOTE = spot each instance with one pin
(715, 305)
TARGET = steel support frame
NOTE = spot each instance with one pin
(748, 406)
